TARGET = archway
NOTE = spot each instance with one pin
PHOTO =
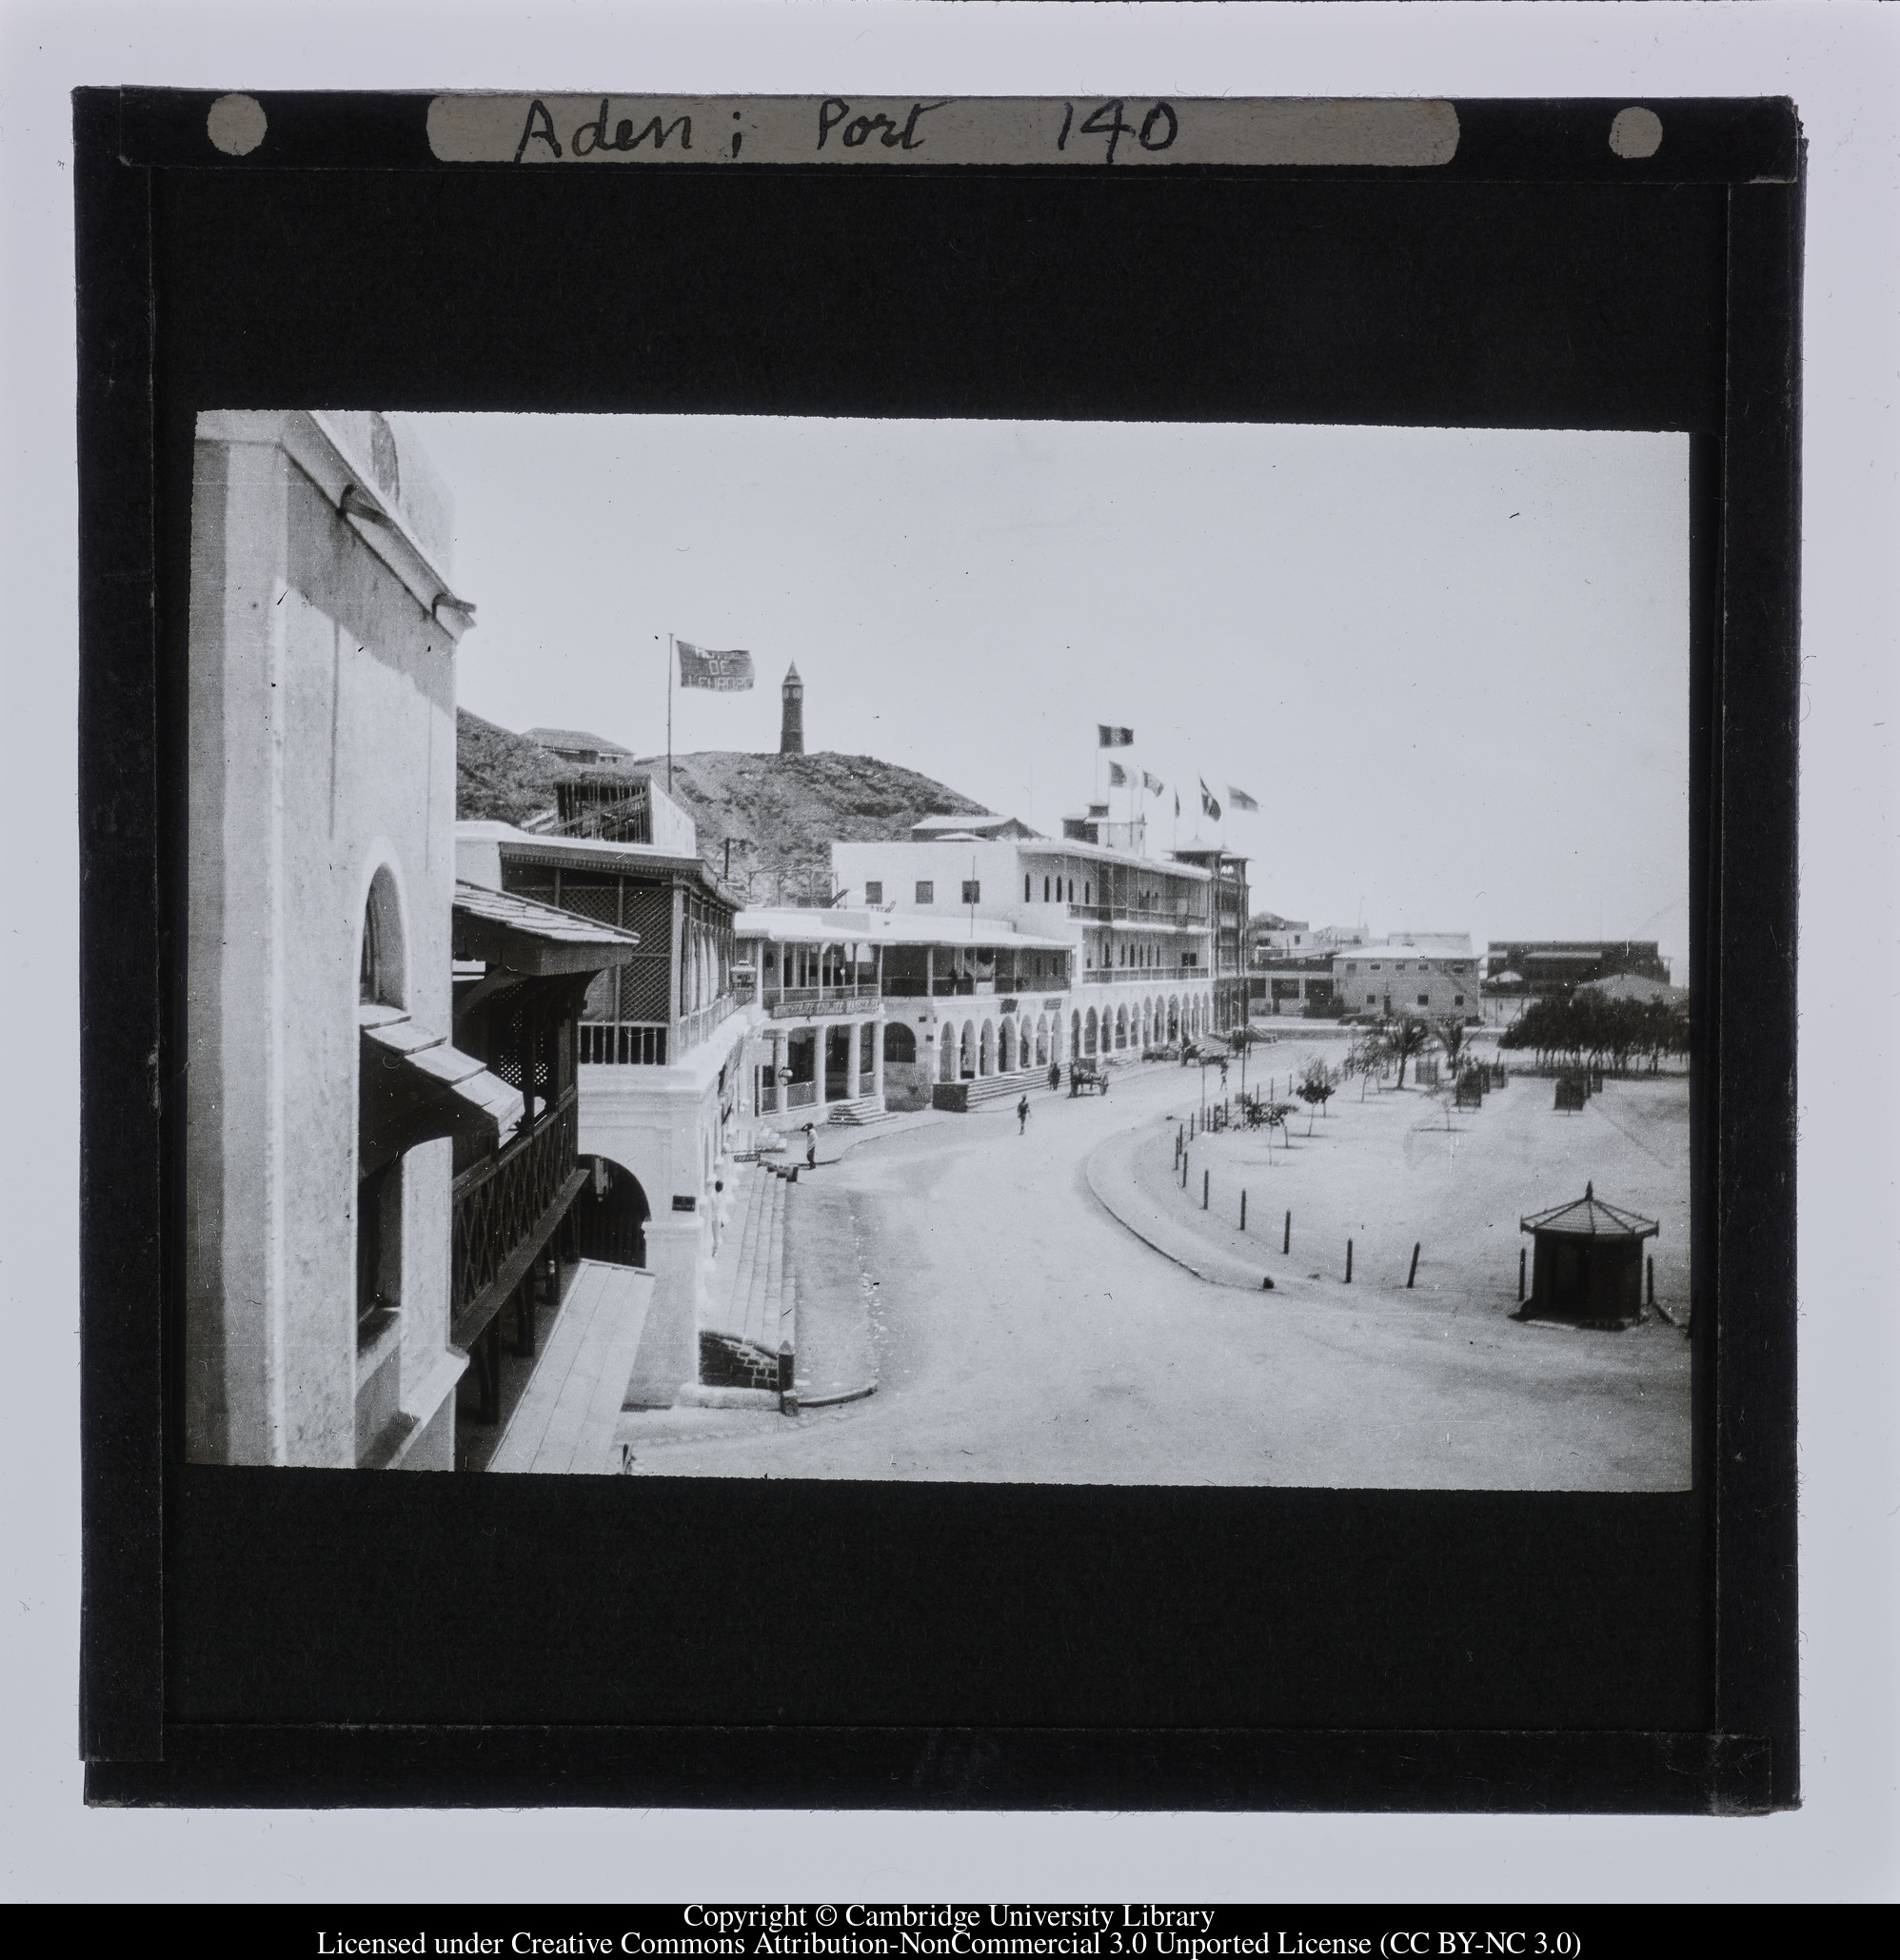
(1120, 1028)
(1174, 1018)
(1005, 1046)
(1091, 1035)
(1041, 1041)
(966, 1052)
(986, 1051)
(900, 1043)
(609, 1220)
(1075, 1034)
(947, 1070)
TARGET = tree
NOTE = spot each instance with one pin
(1405, 1035)
(1316, 1089)
(1366, 1058)
(1449, 1031)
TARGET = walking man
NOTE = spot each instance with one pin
(1055, 1075)
(811, 1147)
(1021, 1115)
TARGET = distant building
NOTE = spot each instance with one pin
(1330, 938)
(864, 1011)
(1290, 983)
(1430, 973)
(1095, 827)
(792, 714)
(1139, 931)
(1635, 987)
(577, 745)
(620, 805)
(1555, 966)
(1228, 917)
(934, 830)
(1268, 935)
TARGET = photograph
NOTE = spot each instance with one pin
(1052, 952)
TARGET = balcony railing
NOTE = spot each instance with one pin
(623, 1043)
(696, 1026)
(1139, 976)
(1138, 915)
(802, 1003)
(506, 1207)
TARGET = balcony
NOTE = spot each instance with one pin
(1139, 976)
(1138, 915)
(695, 1027)
(506, 1207)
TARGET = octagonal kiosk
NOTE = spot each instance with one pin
(1587, 1264)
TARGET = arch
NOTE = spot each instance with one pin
(383, 958)
(1075, 1034)
(966, 1051)
(1041, 1041)
(608, 1219)
(986, 1049)
(1091, 1033)
(1121, 1027)
(900, 1043)
(1174, 1018)
(1005, 1045)
(947, 1067)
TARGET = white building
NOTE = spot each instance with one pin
(864, 1012)
(1139, 930)
(1425, 973)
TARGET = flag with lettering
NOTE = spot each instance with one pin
(1209, 806)
(1241, 799)
(1112, 737)
(726, 673)
(1152, 782)
(1118, 776)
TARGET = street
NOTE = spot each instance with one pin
(1021, 1333)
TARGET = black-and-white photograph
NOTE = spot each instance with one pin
(1049, 952)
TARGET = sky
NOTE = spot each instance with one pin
(1451, 665)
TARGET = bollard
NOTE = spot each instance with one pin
(1286, 1239)
(1348, 1263)
(1204, 1176)
(1521, 1275)
(1413, 1274)
(1184, 1170)
(1243, 1227)
(1653, 1280)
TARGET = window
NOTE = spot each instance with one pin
(1046, 891)
(1296, 938)
(874, 891)
(926, 892)
(1086, 900)
(973, 892)
(1371, 999)
(1026, 893)
(1424, 999)
(1373, 967)
(1457, 999)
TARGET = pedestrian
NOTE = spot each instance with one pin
(811, 1147)
(1055, 1075)
(1021, 1114)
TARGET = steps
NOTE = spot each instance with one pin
(982, 1089)
(862, 1111)
(747, 1330)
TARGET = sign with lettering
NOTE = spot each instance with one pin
(686, 1204)
(1110, 131)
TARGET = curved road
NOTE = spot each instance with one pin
(1021, 1335)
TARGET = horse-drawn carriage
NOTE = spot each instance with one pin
(1088, 1078)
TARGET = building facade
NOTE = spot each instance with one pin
(323, 1100)
(1429, 974)
(1227, 919)
(660, 1038)
(1555, 966)
(1139, 931)
(863, 1013)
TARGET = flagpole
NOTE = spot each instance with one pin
(669, 714)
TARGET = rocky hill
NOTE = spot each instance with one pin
(500, 775)
(781, 812)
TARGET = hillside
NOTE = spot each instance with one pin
(782, 812)
(500, 775)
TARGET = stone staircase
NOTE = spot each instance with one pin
(748, 1330)
(982, 1089)
(861, 1112)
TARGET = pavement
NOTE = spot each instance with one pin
(1020, 1332)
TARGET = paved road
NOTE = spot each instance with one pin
(1022, 1334)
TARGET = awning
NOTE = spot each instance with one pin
(532, 941)
(414, 1088)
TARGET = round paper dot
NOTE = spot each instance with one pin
(236, 124)
(1637, 132)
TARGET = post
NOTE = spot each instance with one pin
(1204, 1176)
(1286, 1238)
(1184, 1170)
(1521, 1275)
(1244, 1208)
(1653, 1280)
(1348, 1263)
(669, 714)
(1411, 1276)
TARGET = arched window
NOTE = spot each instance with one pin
(380, 972)
(900, 1042)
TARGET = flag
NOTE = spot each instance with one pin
(1241, 799)
(1118, 776)
(1209, 807)
(1112, 737)
(726, 673)
(1152, 782)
